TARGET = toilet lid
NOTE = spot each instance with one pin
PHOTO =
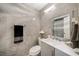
(35, 50)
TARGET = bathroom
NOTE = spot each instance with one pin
(35, 21)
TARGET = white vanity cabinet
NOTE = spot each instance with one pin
(50, 47)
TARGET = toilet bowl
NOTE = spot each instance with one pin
(35, 50)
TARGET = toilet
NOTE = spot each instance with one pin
(35, 51)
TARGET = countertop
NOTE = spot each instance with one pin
(60, 45)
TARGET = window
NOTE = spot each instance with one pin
(59, 27)
(18, 33)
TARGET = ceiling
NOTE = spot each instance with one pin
(37, 6)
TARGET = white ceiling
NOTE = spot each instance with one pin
(37, 6)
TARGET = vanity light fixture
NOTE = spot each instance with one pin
(52, 7)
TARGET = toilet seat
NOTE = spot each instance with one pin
(35, 50)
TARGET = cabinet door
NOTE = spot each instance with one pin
(67, 27)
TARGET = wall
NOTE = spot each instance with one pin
(61, 9)
(11, 15)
